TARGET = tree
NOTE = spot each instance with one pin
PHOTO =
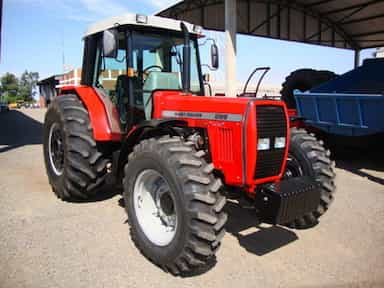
(9, 87)
(9, 83)
(28, 82)
(13, 89)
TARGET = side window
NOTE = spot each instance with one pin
(108, 69)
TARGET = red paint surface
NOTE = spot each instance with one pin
(232, 167)
(97, 113)
(227, 140)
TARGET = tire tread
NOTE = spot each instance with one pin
(203, 207)
(84, 169)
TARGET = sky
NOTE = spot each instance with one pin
(39, 35)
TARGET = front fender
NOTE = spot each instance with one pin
(146, 129)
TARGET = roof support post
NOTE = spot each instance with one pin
(357, 58)
(230, 48)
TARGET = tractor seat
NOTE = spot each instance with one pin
(158, 81)
(122, 84)
(122, 88)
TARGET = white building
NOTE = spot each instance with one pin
(379, 52)
(265, 89)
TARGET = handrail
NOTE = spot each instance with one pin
(266, 69)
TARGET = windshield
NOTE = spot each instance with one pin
(158, 60)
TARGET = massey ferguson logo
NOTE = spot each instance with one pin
(203, 115)
(189, 114)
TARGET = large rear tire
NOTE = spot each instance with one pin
(308, 157)
(303, 80)
(75, 166)
(174, 206)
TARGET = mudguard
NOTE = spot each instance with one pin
(102, 113)
(145, 129)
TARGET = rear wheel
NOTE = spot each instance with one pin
(174, 206)
(308, 157)
(303, 80)
(75, 166)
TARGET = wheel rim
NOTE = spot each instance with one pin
(292, 168)
(56, 149)
(155, 207)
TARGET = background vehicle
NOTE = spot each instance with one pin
(20, 103)
(4, 107)
(346, 108)
(13, 106)
(141, 115)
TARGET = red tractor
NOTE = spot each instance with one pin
(141, 115)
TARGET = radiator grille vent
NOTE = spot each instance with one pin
(271, 123)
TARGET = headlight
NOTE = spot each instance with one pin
(263, 144)
(279, 142)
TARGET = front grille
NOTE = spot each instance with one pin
(271, 123)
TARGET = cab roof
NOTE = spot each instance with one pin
(142, 21)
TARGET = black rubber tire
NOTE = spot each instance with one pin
(303, 80)
(314, 161)
(197, 195)
(84, 167)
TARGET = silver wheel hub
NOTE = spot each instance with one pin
(154, 206)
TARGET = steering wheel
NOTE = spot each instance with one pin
(146, 70)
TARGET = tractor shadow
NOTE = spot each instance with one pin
(240, 218)
(265, 239)
(17, 130)
(106, 192)
(201, 270)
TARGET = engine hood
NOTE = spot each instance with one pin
(233, 127)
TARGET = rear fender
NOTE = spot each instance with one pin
(294, 119)
(103, 115)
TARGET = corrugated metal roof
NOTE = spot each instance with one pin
(350, 24)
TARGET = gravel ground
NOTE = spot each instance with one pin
(45, 242)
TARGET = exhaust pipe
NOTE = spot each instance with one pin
(186, 60)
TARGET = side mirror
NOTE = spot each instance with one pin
(110, 43)
(214, 56)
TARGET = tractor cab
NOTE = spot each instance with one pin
(127, 59)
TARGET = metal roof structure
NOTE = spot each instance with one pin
(350, 24)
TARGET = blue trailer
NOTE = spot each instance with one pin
(349, 105)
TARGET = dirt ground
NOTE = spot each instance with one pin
(45, 242)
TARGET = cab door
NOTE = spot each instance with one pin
(110, 80)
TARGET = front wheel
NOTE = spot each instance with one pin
(308, 157)
(173, 203)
